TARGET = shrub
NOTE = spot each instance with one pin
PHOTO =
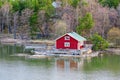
(113, 34)
(113, 37)
(98, 42)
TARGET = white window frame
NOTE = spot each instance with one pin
(67, 37)
(66, 44)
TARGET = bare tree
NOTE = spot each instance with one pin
(15, 22)
(24, 27)
(118, 20)
(69, 17)
(5, 16)
(41, 20)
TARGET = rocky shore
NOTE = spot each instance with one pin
(115, 51)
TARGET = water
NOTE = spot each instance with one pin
(106, 67)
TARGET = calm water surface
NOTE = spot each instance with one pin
(106, 67)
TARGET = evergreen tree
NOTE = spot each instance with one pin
(110, 3)
(85, 23)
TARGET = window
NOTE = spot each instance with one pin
(67, 37)
(66, 44)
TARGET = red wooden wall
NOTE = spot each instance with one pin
(60, 43)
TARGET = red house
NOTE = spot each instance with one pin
(70, 41)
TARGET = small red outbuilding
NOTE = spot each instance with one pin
(70, 41)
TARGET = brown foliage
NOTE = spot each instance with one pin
(69, 18)
(23, 27)
(104, 17)
(114, 34)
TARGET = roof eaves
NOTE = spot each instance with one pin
(76, 36)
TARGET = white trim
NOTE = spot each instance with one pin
(78, 46)
(62, 36)
(66, 44)
(67, 38)
(55, 44)
(68, 35)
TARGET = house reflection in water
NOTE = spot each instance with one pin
(69, 64)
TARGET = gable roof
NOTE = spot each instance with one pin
(76, 36)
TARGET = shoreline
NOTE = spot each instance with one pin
(35, 56)
(22, 42)
(115, 51)
(11, 41)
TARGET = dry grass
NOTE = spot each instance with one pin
(48, 42)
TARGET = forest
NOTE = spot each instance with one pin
(34, 19)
